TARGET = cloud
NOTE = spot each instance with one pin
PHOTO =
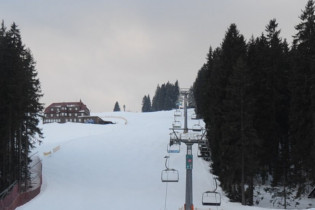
(107, 51)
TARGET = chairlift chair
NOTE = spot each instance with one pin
(196, 128)
(203, 151)
(174, 136)
(177, 125)
(193, 117)
(173, 148)
(177, 113)
(169, 175)
(211, 198)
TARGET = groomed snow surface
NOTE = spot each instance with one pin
(118, 167)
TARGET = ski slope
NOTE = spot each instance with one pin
(117, 167)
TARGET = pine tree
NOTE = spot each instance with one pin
(146, 104)
(165, 97)
(303, 98)
(116, 107)
(232, 147)
(19, 107)
(191, 98)
(149, 109)
(156, 98)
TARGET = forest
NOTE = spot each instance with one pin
(257, 98)
(165, 98)
(19, 108)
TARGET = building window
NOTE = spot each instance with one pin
(52, 109)
(51, 115)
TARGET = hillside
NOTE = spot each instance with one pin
(117, 167)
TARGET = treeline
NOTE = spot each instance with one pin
(19, 107)
(165, 98)
(257, 99)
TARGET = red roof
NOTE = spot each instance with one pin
(80, 104)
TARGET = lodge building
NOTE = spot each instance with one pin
(70, 112)
(65, 112)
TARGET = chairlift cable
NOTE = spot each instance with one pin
(166, 188)
(165, 196)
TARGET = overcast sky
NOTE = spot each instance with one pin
(103, 51)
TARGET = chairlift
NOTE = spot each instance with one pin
(211, 198)
(173, 147)
(196, 128)
(174, 136)
(177, 125)
(193, 117)
(169, 174)
(177, 113)
(203, 151)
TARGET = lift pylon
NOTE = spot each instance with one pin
(196, 137)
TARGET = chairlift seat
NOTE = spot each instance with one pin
(211, 198)
(203, 152)
(193, 117)
(196, 128)
(174, 148)
(177, 125)
(177, 113)
(169, 175)
(174, 136)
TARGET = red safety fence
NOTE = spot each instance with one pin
(16, 198)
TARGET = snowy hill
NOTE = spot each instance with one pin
(117, 167)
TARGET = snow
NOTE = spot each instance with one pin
(118, 166)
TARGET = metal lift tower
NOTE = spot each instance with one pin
(209, 198)
(189, 140)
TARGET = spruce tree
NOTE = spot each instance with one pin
(258, 103)
(233, 51)
(19, 107)
(116, 107)
(191, 98)
(165, 97)
(146, 104)
(302, 111)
